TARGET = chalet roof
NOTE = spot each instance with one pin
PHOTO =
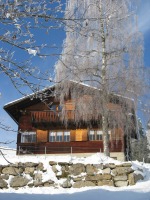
(30, 97)
(33, 95)
(13, 108)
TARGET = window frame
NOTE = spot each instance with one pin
(33, 138)
(99, 135)
(95, 135)
(52, 136)
(55, 107)
(59, 135)
(92, 135)
(67, 136)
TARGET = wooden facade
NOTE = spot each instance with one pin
(41, 130)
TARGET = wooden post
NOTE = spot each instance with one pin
(71, 154)
(71, 151)
(19, 150)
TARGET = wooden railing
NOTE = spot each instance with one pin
(44, 116)
(67, 147)
(50, 116)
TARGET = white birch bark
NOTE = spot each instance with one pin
(104, 88)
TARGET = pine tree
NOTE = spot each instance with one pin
(139, 148)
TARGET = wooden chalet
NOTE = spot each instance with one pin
(41, 130)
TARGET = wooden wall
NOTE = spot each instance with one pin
(38, 107)
(113, 107)
(117, 134)
(76, 136)
(69, 105)
(25, 123)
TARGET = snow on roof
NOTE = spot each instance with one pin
(80, 83)
(26, 97)
(119, 95)
(17, 100)
(84, 84)
(32, 94)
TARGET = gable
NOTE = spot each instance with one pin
(33, 102)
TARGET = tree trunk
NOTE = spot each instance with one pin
(104, 88)
(105, 135)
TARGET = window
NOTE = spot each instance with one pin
(54, 107)
(99, 135)
(66, 136)
(52, 136)
(92, 135)
(59, 136)
(95, 135)
(59, 108)
(28, 137)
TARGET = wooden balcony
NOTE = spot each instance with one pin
(53, 119)
(44, 116)
(50, 116)
(67, 147)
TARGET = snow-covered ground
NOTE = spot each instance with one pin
(141, 191)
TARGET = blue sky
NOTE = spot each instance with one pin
(9, 93)
(144, 26)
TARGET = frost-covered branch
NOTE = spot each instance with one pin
(6, 127)
(21, 24)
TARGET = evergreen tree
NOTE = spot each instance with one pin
(139, 148)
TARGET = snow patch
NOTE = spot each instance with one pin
(32, 51)
(8, 15)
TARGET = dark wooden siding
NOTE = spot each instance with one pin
(38, 118)
(68, 147)
(25, 123)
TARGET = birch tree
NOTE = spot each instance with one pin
(103, 49)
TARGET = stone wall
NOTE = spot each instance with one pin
(67, 175)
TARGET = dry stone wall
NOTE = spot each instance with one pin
(67, 175)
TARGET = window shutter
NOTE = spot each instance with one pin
(41, 136)
(78, 135)
(84, 135)
(72, 135)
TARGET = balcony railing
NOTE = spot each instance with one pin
(67, 147)
(50, 116)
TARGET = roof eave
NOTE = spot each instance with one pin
(10, 115)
